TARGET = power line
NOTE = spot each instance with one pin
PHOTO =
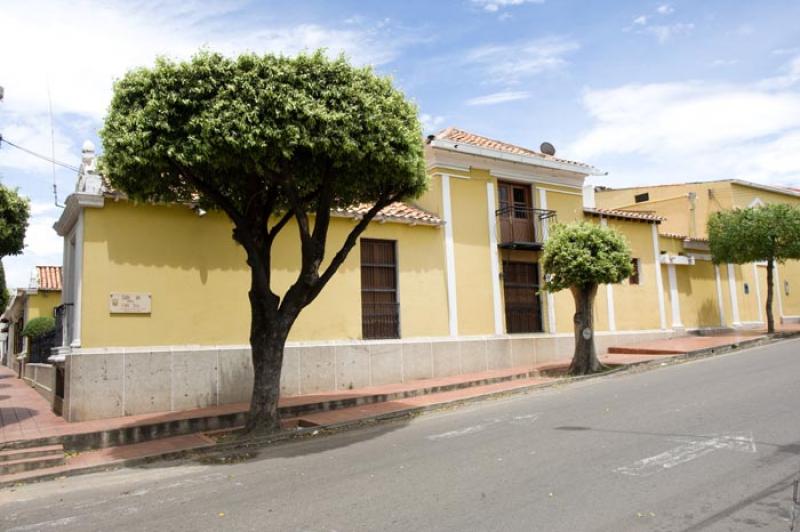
(40, 156)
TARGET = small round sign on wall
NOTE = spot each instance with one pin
(587, 333)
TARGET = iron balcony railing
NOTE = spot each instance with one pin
(523, 227)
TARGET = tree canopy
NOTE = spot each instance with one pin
(755, 234)
(583, 254)
(14, 214)
(224, 130)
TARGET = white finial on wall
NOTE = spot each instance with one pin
(88, 180)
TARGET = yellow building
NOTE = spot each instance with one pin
(446, 285)
(704, 295)
(40, 299)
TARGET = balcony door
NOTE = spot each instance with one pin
(520, 290)
(515, 214)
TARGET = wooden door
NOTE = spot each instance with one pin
(520, 287)
(516, 217)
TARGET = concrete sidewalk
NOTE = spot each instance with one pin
(26, 419)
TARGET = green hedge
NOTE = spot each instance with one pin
(39, 326)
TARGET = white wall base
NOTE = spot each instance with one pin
(123, 381)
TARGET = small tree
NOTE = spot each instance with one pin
(580, 256)
(38, 327)
(14, 214)
(769, 233)
(268, 140)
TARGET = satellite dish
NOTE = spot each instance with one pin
(547, 148)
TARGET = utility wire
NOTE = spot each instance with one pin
(38, 155)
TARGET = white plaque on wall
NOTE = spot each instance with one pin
(129, 303)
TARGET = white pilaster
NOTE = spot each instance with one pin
(734, 298)
(674, 297)
(449, 256)
(757, 282)
(494, 259)
(659, 281)
(551, 300)
(612, 316)
(778, 287)
(78, 286)
(720, 302)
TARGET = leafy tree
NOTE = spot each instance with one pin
(4, 295)
(268, 140)
(580, 256)
(769, 233)
(14, 214)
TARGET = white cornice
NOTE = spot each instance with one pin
(499, 168)
(74, 204)
(516, 158)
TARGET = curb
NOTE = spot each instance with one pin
(199, 453)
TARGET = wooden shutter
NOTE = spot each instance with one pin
(380, 312)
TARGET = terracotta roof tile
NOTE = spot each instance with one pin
(398, 212)
(628, 215)
(458, 135)
(49, 277)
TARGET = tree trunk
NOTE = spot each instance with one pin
(770, 290)
(268, 332)
(584, 361)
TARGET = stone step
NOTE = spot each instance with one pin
(32, 458)
(404, 391)
(294, 407)
(32, 452)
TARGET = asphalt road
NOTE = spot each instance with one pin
(709, 445)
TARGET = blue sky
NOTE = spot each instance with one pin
(651, 92)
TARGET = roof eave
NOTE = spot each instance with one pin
(462, 147)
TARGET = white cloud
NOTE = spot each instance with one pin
(78, 48)
(430, 123)
(724, 62)
(512, 63)
(42, 246)
(665, 9)
(499, 97)
(665, 32)
(33, 132)
(492, 6)
(695, 130)
(641, 20)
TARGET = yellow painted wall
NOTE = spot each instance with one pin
(790, 271)
(199, 280)
(697, 287)
(472, 256)
(743, 196)
(42, 303)
(672, 202)
(748, 303)
(636, 306)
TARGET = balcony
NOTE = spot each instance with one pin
(523, 227)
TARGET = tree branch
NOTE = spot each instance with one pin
(348, 244)
(220, 199)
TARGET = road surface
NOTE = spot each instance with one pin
(712, 444)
